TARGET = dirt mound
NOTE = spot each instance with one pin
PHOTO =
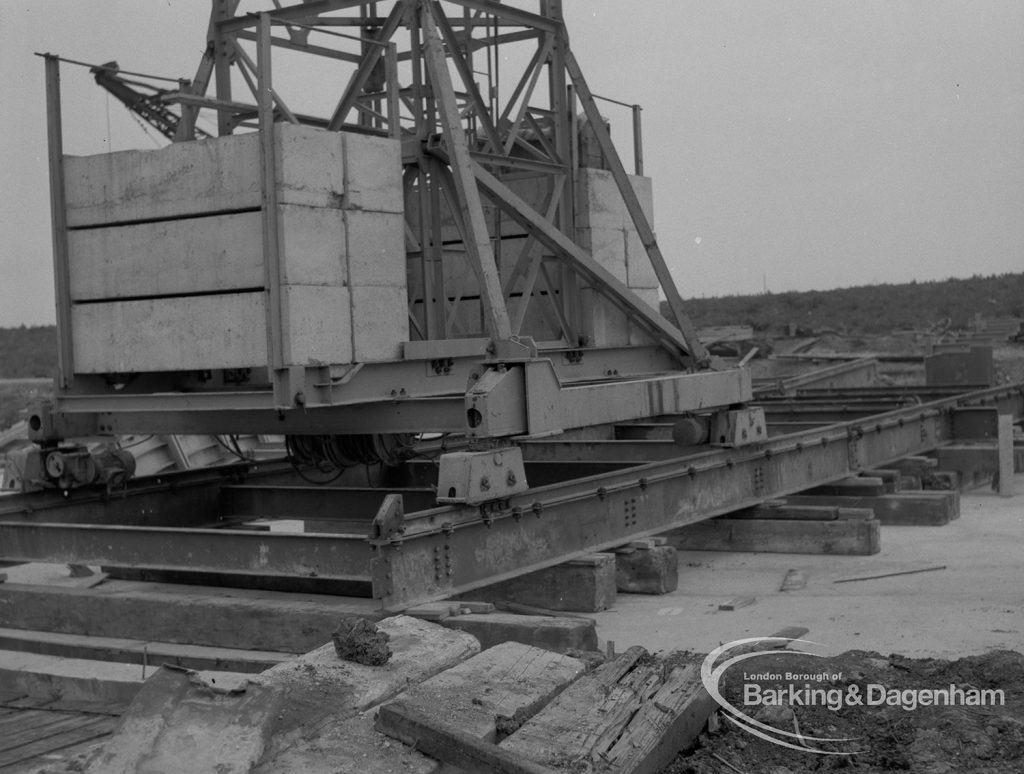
(928, 716)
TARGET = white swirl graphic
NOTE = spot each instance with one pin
(710, 676)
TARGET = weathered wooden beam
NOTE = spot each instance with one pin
(493, 693)
(856, 537)
(450, 744)
(855, 486)
(930, 508)
(256, 622)
(784, 510)
(626, 717)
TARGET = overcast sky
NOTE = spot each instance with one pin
(794, 144)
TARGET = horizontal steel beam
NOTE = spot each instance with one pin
(186, 498)
(924, 392)
(267, 554)
(602, 450)
(418, 394)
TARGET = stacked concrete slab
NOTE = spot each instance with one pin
(605, 229)
(166, 262)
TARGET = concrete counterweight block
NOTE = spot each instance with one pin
(173, 254)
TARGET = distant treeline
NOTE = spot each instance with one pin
(28, 352)
(32, 352)
(868, 309)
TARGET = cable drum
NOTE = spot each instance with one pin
(330, 455)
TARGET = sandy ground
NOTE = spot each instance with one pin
(976, 603)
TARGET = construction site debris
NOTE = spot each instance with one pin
(891, 574)
(359, 640)
(794, 580)
(737, 602)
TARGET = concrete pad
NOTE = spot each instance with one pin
(72, 679)
(975, 604)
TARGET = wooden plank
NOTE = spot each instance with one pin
(37, 726)
(138, 651)
(492, 693)
(858, 486)
(417, 727)
(778, 509)
(858, 537)
(915, 466)
(33, 702)
(583, 585)
(263, 621)
(557, 731)
(890, 478)
(23, 718)
(588, 725)
(968, 457)
(97, 728)
(678, 711)
(929, 508)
